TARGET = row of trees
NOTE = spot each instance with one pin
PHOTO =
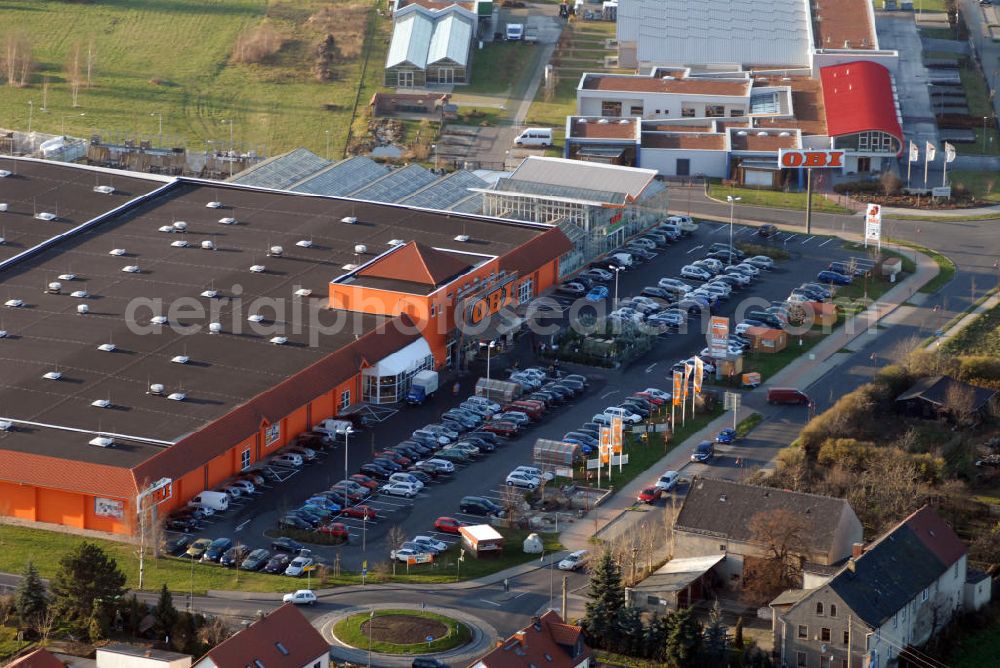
(677, 639)
(86, 601)
(17, 63)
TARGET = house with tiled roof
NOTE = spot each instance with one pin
(718, 515)
(282, 639)
(894, 593)
(40, 658)
(548, 641)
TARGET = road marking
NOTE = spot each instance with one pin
(608, 394)
(239, 527)
(486, 600)
(790, 237)
(699, 246)
(827, 241)
(649, 369)
(519, 595)
(720, 228)
(808, 240)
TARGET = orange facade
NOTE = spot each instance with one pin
(52, 506)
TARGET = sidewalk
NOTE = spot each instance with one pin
(964, 322)
(800, 373)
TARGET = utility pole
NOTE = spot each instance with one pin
(565, 585)
(809, 200)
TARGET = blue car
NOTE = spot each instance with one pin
(726, 436)
(323, 502)
(597, 293)
(832, 277)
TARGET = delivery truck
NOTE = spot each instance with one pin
(422, 387)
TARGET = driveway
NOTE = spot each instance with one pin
(897, 30)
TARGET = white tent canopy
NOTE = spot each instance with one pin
(401, 361)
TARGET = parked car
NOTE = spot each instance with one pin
(668, 480)
(703, 452)
(478, 505)
(234, 556)
(404, 554)
(433, 545)
(767, 231)
(287, 460)
(787, 395)
(256, 560)
(360, 512)
(695, 272)
(298, 565)
(520, 479)
(441, 465)
(277, 564)
(573, 561)
(291, 521)
(726, 436)
(178, 544)
(335, 530)
(761, 262)
(216, 549)
(285, 544)
(403, 489)
(374, 471)
(833, 278)
(307, 454)
(197, 549)
(300, 597)
(597, 293)
(448, 525)
(649, 494)
(573, 289)
(502, 428)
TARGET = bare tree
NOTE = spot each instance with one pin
(888, 491)
(784, 536)
(396, 537)
(91, 54)
(17, 60)
(511, 501)
(960, 402)
(890, 183)
(45, 625)
(214, 632)
(73, 74)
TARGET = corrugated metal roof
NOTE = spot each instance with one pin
(422, 36)
(585, 175)
(411, 36)
(742, 32)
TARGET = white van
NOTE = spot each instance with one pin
(335, 427)
(216, 501)
(535, 137)
(686, 223)
(624, 258)
(515, 31)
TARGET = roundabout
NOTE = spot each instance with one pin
(397, 633)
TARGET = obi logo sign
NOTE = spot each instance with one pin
(492, 302)
(794, 159)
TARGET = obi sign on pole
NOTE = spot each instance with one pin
(718, 336)
(807, 159)
(873, 225)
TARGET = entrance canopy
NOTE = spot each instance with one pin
(402, 360)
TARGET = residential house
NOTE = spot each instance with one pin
(895, 593)
(40, 658)
(120, 655)
(717, 518)
(941, 396)
(547, 641)
(282, 639)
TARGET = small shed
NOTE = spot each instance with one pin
(677, 584)
(823, 313)
(939, 396)
(482, 540)
(767, 340)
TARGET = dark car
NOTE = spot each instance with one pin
(478, 505)
(767, 319)
(484, 446)
(421, 476)
(726, 256)
(182, 524)
(595, 277)
(277, 564)
(285, 544)
(427, 661)
(256, 560)
(387, 464)
(217, 549)
(374, 471)
(658, 293)
(833, 278)
(503, 428)
(637, 408)
(234, 555)
(179, 544)
(703, 452)
(727, 435)
(718, 247)
(394, 456)
(312, 519)
(578, 386)
(430, 469)
(295, 522)
(410, 453)
(486, 436)
(572, 289)
(767, 231)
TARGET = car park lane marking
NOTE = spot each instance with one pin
(486, 600)
(808, 240)
(827, 241)
(789, 238)
(698, 247)
(608, 394)
(649, 369)
(720, 228)
(239, 527)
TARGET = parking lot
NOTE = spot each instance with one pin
(253, 521)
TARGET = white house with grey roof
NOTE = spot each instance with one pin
(430, 46)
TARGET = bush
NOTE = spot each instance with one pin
(856, 187)
(256, 45)
(847, 452)
(980, 370)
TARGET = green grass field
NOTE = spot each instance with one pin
(499, 68)
(349, 631)
(773, 198)
(981, 337)
(984, 185)
(172, 58)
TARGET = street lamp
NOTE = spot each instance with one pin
(231, 151)
(159, 114)
(62, 128)
(617, 270)
(347, 432)
(732, 212)
(984, 135)
(489, 347)
(434, 148)
(327, 132)
(31, 112)
(371, 623)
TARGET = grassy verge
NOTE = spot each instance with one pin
(553, 109)
(497, 66)
(946, 267)
(983, 185)
(350, 631)
(773, 198)
(747, 424)
(980, 337)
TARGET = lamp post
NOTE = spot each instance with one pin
(347, 432)
(617, 270)
(191, 589)
(984, 135)
(31, 112)
(327, 132)
(732, 214)
(231, 151)
(159, 115)
(489, 347)
(371, 623)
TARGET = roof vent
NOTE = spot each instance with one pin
(180, 359)
(303, 292)
(214, 327)
(208, 244)
(784, 133)
(360, 248)
(180, 226)
(603, 121)
(256, 317)
(279, 340)
(46, 216)
(177, 396)
(210, 294)
(157, 389)
(101, 403)
(13, 303)
(131, 269)
(118, 252)
(107, 347)
(67, 277)
(79, 294)
(229, 220)
(3, 206)
(276, 251)
(102, 442)
(2, 241)
(214, 205)
(52, 375)
(624, 121)
(82, 309)
(722, 498)
(762, 133)
(462, 237)
(6, 425)
(349, 267)
(4, 173)
(582, 121)
(167, 229)
(158, 320)
(257, 269)
(350, 220)
(742, 133)
(180, 243)
(104, 190)
(304, 243)
(53, 288)
(3, 333)
(847, 45)
(396, 242)
(667, 78)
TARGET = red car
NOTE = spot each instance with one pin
(650, 398)
(447, 525)
(394, 456)
(365, 481)
(335, 529)
(501, 428)
(360, 512)
(650, 495)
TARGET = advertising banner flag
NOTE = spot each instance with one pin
(931, 151)
(678, 388)
(914, 152)
(604, 444)
(699, 373)
(688, 370)
(617, 429)
(949, 152)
